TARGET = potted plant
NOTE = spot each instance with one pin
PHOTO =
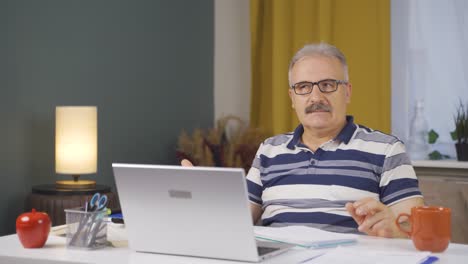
(461, 132)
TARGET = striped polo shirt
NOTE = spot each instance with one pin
(296, 186)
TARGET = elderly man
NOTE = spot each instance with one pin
(330, 173)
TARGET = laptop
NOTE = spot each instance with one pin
(190, 211)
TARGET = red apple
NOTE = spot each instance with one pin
(33, 229)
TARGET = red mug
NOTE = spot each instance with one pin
(430, 227)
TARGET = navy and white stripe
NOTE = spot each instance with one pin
(296, 186)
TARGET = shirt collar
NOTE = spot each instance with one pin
(345, 134)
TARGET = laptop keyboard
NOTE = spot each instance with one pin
(265, 250)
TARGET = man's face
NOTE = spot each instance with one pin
(314, 69)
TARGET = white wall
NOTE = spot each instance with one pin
(232, 58)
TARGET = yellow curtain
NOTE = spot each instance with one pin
(360, 28)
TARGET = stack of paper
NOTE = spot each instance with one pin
(308, 237)
(304, 236)
(360, 256)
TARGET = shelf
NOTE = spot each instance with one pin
(450, 164)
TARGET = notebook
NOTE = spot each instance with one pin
(191, 211)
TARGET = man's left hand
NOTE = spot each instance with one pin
(374, 218)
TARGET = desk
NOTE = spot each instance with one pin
(55, 251)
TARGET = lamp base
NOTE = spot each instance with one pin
(81, 184)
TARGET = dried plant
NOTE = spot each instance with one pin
(230, 144)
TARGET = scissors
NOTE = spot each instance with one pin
(98, 202)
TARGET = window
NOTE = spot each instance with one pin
(429, 63)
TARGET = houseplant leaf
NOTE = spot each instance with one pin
(432, 136)
(435, 155)
(453, 134)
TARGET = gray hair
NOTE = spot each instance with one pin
(320, 49)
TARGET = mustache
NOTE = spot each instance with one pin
(317, 107)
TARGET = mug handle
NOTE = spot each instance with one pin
(397, 222)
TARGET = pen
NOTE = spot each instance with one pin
(311, 258)
(429, 260)
(82, 224)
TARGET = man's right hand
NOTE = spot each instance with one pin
(186, 163)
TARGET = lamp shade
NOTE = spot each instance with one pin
(76, 139)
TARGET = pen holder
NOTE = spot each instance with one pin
(86, 230)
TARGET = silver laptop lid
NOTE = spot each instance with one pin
(194, 211)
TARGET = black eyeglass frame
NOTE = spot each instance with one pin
(338, 82)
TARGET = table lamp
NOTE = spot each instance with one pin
(75, 145)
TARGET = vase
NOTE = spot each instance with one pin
(418, 147)
(462, 151)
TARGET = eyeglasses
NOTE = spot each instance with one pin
(325, 86)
